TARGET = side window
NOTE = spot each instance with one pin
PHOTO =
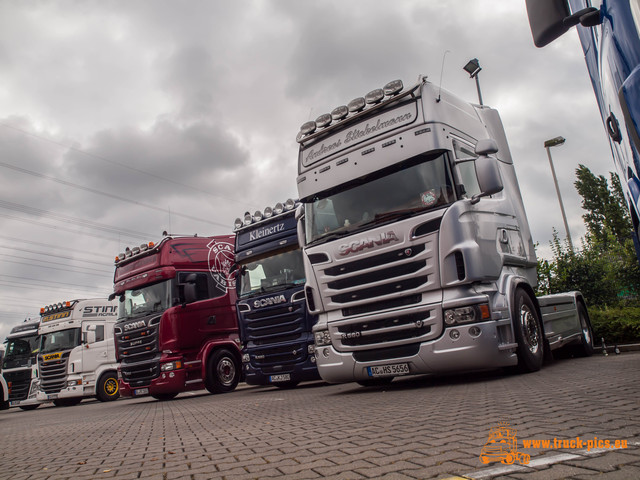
(466, 167)
(99, 333)
(205, 286)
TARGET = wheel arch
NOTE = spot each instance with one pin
(212, 347)
(515, 283)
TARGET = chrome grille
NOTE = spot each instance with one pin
(53, 374)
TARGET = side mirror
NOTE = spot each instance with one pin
(300, 225)
(550, 19)
(190, 294)
(487, 170)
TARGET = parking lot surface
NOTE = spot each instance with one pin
(417, 427)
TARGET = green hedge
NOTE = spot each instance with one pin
(616, 325)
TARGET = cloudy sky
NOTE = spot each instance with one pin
(119, 120)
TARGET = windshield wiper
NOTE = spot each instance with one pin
(406, 212)
(332, 236)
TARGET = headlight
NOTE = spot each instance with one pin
(73, 383)
(245, 358)
(166, 367)
(322, 338)
(470, 314)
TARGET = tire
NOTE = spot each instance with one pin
(376, 382)
(585, 349)
(528, 332)
(29, 407)
(108, 388)
(67, 402)
(223, 372)
(163, 397)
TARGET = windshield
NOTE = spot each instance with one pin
(19, 352)
(145, 300)
(275, 272)
(62, 340)
(419, 184)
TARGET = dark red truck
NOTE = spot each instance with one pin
(177, 328)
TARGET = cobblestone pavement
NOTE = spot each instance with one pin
(417, 427)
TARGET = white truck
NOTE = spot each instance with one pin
(418, 253)
(77, 356)
(4, 393)
(20, 364)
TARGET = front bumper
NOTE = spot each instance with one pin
(448, 353)
(173, 381)
(300, 372)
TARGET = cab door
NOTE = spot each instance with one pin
(95, 351)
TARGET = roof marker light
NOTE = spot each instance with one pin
(374, 96)
(356, 104)
(237, 224)
(268, 212)
(393, 88)
(308, 127)
(289, 204)
(257, 216)
(247, 218)
(324, 120)
(278, 209)
(340, 112)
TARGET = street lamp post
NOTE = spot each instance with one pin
(473, 68)
(556, 142)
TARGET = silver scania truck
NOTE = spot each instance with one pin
(417, 249)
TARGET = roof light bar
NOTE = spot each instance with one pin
(56, 307)
(131, 252)
(268, 212)
(374, 97)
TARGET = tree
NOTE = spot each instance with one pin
(605, 207)
(605, 268)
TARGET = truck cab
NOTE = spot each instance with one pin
(417, 247)
(20, 364)
(177, 328)
(77, 359)
(275, 327)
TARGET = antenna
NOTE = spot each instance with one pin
(441, 71)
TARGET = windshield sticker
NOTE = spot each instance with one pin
(429, 198)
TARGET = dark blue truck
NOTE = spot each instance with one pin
(609, 31)
(275, 328)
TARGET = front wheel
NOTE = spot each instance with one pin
(528, 332)
(223, 372)
(108, 388)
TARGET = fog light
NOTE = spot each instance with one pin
(245, 358)
(475, 331)
(454, 334)
(313, 359)
(325, 352)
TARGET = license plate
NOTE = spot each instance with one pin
(141, 391)
(388, 370)
(285, 377)
(15, 403)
